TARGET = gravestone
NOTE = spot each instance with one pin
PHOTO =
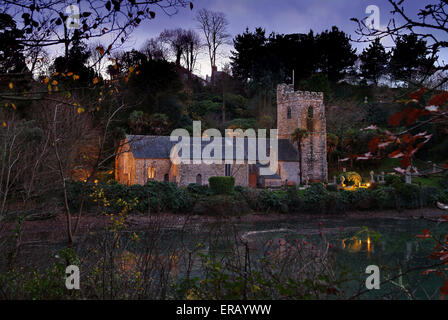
(408, 175)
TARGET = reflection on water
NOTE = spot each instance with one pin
(354, 244)
(355, 248)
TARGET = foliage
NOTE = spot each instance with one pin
(444, 180)
(156, 196)
(222, 185)
(351, 178)
(410, 58)
(374, 61)
(221, 205)
(393, 180)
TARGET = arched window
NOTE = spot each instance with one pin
(310, 119)
(310, 112)
(166, 178)
(289, 113)
(151, 173)
(199, 179)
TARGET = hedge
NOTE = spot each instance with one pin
(222, 185)
(196, 199)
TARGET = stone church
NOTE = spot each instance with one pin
(143, 158)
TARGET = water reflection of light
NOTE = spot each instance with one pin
(355, 245)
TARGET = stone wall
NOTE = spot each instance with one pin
(124, 164)
(187, 173)
(161, 168)
(307, 111)
(289, 171)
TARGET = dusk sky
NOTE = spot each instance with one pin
(283, 16)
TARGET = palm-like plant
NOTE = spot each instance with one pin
(297, 136)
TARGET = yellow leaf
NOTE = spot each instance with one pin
(13, 106)
(131, 69)
(75, 77)
(80, 110)
(49, 88)
(11, 85)
(115, 66)
(55, 74)
(4, 124)
(70, 74)
(137, 72)
(95, 80)
(54, 82)
(46, 80)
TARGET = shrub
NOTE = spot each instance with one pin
(250, 195)
(430, 195)
(198, 189)
(408, 196)
(392, 179)
(384, 198)
(273, 201)
(351, 178)
(221, 205)
(332, 187)
(159, 196)
(222, 185)
(335, 203)
(314, 198)
(443, 182)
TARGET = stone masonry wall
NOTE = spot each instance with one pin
(289, 171)
(124, 165)
(187, 173)
(161, 167)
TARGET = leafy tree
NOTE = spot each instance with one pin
(410, 58)
(319, 83)
(335, 52)
(374, 61)
(11, 50)
(249, 47)
(76, 61)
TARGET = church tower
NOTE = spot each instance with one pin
(305, 110)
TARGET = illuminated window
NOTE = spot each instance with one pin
(151, 173)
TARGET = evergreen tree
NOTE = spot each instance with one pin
(374, 60)
(335, 52)
(411, 58)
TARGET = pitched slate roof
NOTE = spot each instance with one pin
(159, 147)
